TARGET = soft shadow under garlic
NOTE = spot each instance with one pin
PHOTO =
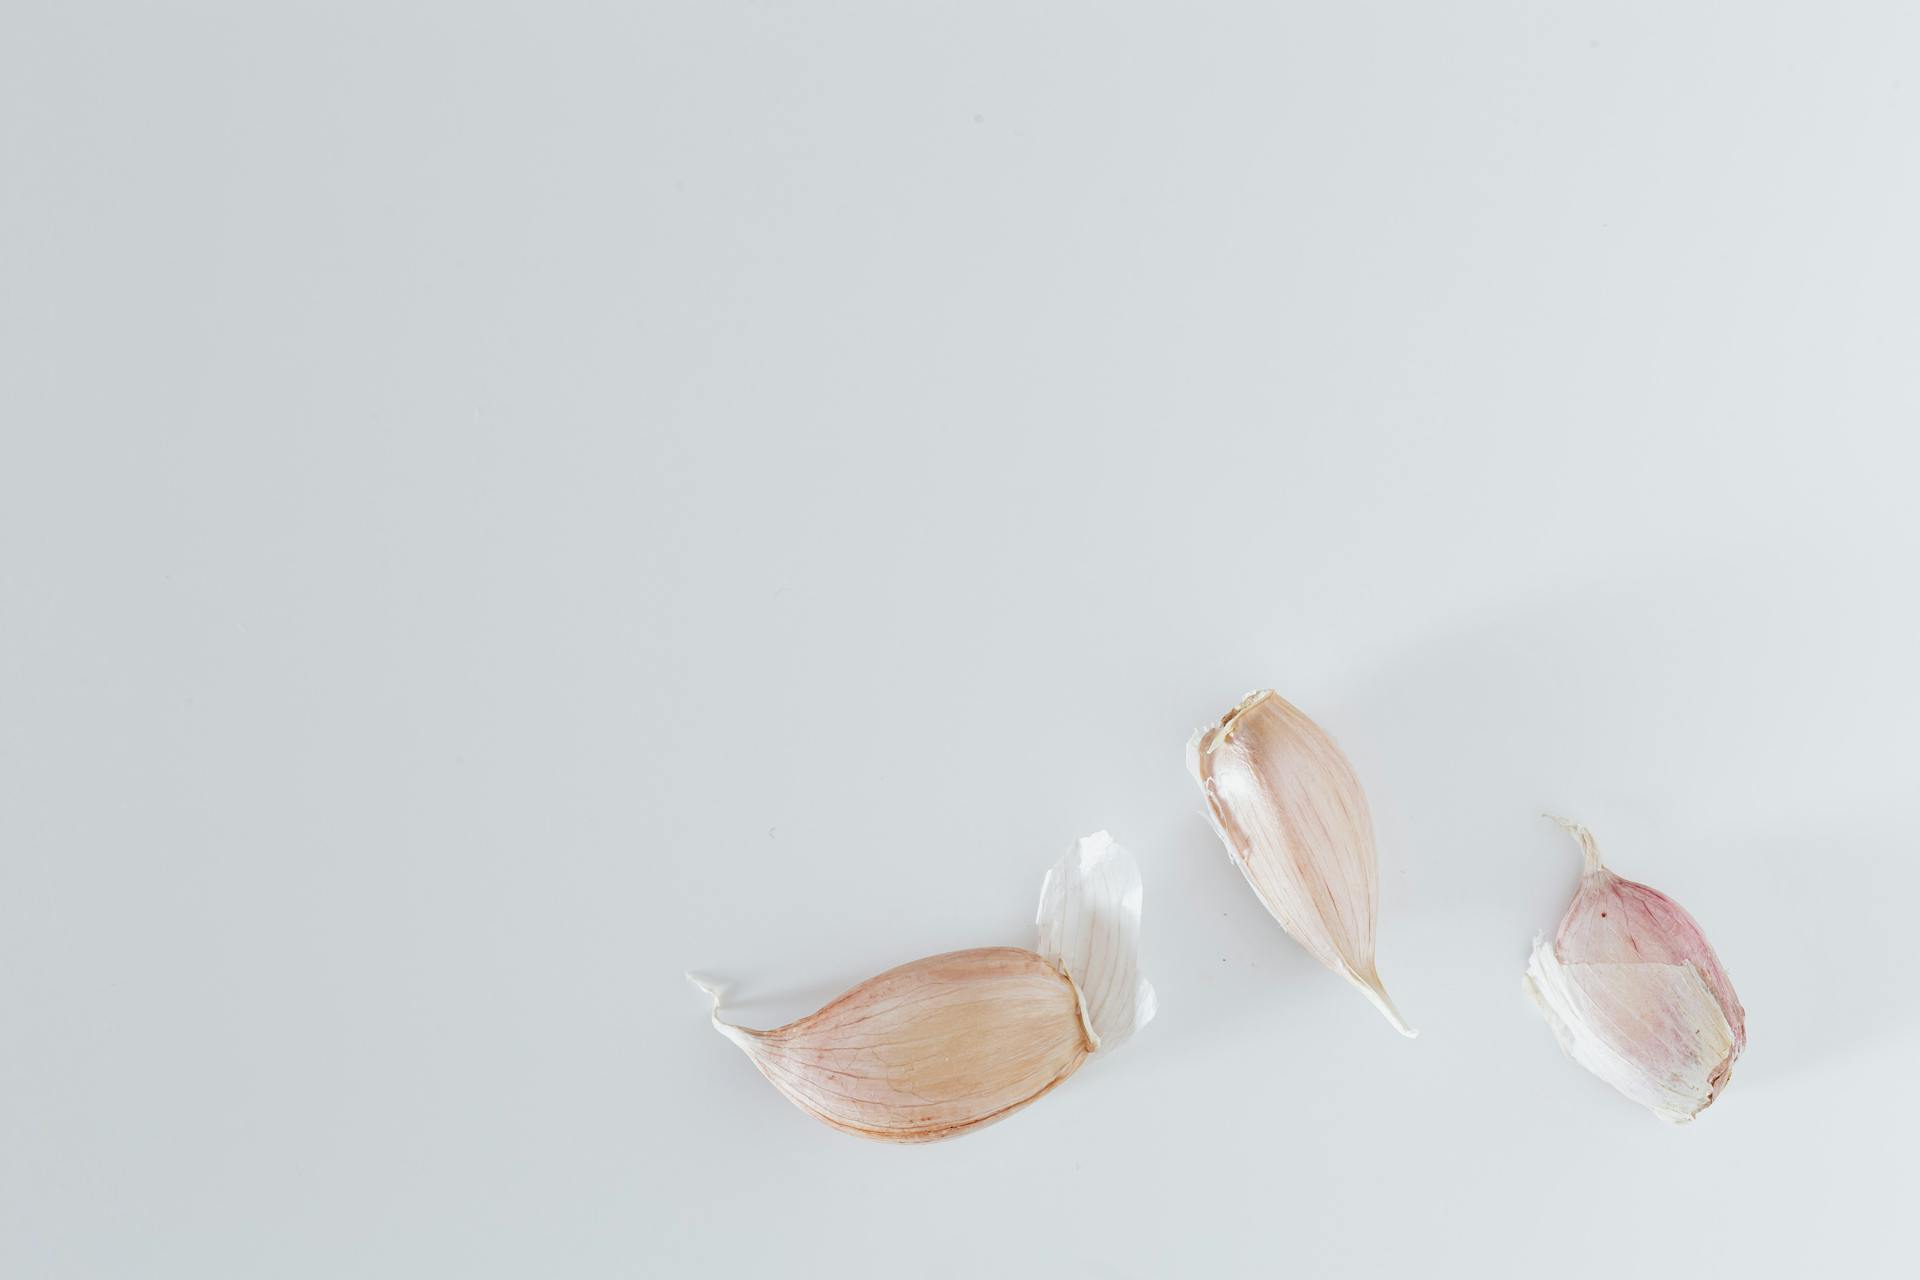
(1286, 803)
(951, 1043)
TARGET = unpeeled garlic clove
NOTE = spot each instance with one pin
(1294, 819)
(1635, 994)
(951, 1043)
(930, 1049)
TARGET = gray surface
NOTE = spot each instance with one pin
(502, 504)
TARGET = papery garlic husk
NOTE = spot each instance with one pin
(1635, 994)
(951, 1043)
(1089, 922)
(1294, 819)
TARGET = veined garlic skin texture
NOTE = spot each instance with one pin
(954, 1042)
(1286, 803)
(1635, 994)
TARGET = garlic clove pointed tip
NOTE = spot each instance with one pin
(1589, 848)
(716, 991)
(1377, 994)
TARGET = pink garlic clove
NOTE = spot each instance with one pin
(1634, 993)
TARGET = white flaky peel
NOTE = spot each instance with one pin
(1089, 922)
(953, 1042)
(1286, 803)
(1634, 993)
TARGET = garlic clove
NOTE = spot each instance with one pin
(928, 1050)
(1286, 803)
(951, 1043)
(1089, 922)
(1634, 993)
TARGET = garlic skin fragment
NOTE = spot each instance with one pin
(1634, 993)
(1286, 803)
(954, 1042)
(1089, 922)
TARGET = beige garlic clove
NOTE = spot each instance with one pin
(931, 1049)
(1634, 993)
(951, 1043)
(1294, 819)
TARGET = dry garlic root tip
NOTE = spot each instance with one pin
(1294, 819)
(951, 1043)
(1635, 994)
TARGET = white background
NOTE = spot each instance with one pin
(502, 504)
